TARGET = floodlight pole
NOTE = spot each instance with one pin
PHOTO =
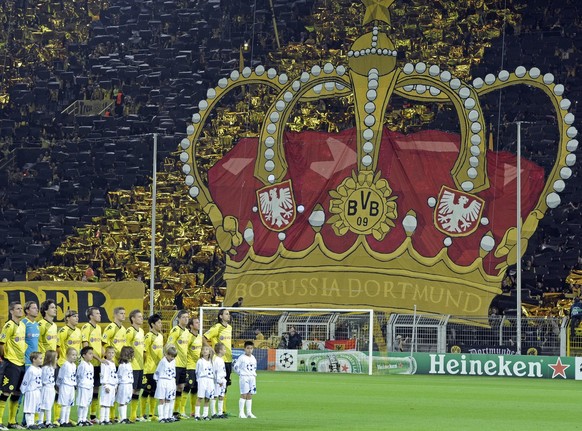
(153, 243)
(518, 245)
(371, 343)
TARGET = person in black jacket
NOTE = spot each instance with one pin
(295, 341)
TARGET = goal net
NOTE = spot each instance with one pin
(322, 340)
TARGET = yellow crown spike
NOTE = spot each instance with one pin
(377, 10)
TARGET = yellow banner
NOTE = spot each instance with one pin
(74, 295)
(352, 289)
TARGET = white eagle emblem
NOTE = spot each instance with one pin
(277, 206)
(458, 218)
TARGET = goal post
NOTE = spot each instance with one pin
(337, 330)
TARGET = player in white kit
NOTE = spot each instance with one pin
(165, 376)
(125, 382)
(66, 382)
(246, 367)
(108, 386)
(85, 379)
(31, 389)
(48, 392)
(219, 381)
(205, 379)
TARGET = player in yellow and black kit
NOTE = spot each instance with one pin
(135, 338)
(180, 337)
(48, 332)
(69, 336)
(91, 336)
(154, 351)
(115, 333)
(12, 348)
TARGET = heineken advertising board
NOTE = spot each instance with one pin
(540, 367)
(351, 361)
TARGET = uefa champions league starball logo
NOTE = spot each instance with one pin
(286, 360)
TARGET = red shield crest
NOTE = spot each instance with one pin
(277, 206)
(457, 213)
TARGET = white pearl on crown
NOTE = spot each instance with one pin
(249, 235)
(194, 191)
(520, 71)
(487, 243)
(467, 186)
(559, 186)
(553, 200)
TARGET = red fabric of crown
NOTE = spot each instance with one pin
(416, 167)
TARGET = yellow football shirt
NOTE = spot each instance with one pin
(92, 336)
(219, 332)
(13, 336)
(135, 338)
(47, 339)
(68, 337)
(114, 336)
(154, 351)
(194, 351)
(181, 338)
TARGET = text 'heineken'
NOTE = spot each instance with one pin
(348, 362)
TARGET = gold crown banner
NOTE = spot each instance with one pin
(369, 218)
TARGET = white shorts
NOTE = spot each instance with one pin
(205, 388)
(248, 385)
(124, 393)
(47, 397)
(31, 401)
(219, 391)
(107, 399)
(66, 396)
(84, 397)
(165, 390)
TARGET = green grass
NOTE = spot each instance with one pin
(287, 401)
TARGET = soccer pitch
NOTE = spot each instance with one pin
(319, 401)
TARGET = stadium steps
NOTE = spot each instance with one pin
(379, 338)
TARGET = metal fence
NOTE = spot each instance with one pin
(495, 334)
(420, 333)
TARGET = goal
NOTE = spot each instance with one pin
(324, 330)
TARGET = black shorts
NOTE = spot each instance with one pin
(97, 377)
(149, 384)
(137, 379)
(13, 375)
(191, 382)
(228, 368)
(180, 375)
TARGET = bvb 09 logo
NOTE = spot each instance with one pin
(363, 204)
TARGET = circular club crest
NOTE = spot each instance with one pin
(363, 204)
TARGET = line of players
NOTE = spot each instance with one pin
(23, 340)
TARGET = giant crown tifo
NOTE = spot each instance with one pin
(366, 217)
